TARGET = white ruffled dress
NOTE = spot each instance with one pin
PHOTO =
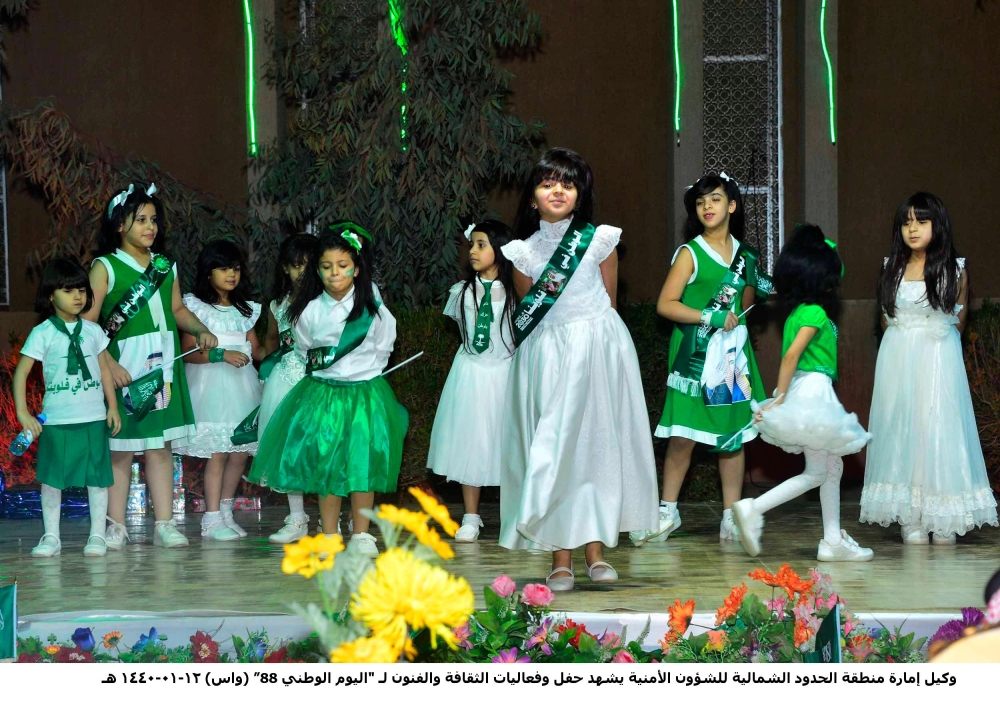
(925, 465)
(221, 394)
(577, 460)
(285, 375)
(466, 438)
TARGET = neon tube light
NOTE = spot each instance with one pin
(251, 118)
(677, 74)
(829, 73)
(396, 23)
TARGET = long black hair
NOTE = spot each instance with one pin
(311, 286)
(296, 250)
(123, 214)
(808, 271)
(562, 165)
(59, 274)
(703, 186)
(498, 234)
(222, 254)
(941, 265)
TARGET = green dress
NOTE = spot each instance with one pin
(147, 341)
(692, 416)
(820, 355)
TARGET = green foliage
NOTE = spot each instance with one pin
(344, 157)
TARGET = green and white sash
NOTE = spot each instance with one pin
(690, 362)
(138, 296)
(246, 431)
(484, 320)
(355, 331)
(555, 276)
(286, 343)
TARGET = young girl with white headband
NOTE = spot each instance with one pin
(465, 441)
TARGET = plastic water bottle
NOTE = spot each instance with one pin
(21, 443)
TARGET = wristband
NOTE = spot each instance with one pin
(216, 355)
(714, 318)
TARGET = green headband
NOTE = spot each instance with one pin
(350, 233)
(833, 245)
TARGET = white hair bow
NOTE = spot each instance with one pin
(469, 230)
(123, 196)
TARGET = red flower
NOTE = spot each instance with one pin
(277, 656)
(578, 628)
(75, 655)
(25, 658)
(204, 649)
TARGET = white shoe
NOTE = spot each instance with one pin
(847, 550)
(115, 536)
(912, 534)
(365, 544)
(226, 508)
(96, 546)
(561, 584)
(296, 527)
(48, 546)
(469, 531)
(750, 524)
(728, 531)
(166, 535)
(213, 527)
(602, 572)
(947, 539)
(670, 520)
(321, 531)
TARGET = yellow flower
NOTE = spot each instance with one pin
(311, 554)
(401, 516)
(429, 536)
(436, 511)
(52, 649)
(365, 650)
(403, 591)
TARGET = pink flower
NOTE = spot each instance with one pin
(462, 636)
(777, 605)
(509, 656)
(848, 626)
(609, 640)
(541, 636)
(537, 595)
(503, 585)
(623, 657)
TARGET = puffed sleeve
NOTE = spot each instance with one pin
(453, 308)
(605, 240)
(518, 253)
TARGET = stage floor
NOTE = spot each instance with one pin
(246, 576)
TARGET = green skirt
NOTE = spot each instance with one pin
(689, 416)
(75, 456)
(333, 438)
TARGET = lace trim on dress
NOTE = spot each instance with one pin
(885, 503)
(222, 319)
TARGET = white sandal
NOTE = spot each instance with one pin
(47, 550)
(605, 572)
(561, 584)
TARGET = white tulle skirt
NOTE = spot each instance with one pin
(466, 438)
(925, 465)
(284, 377)
(222, 397)
(577, 461)
(811, 417)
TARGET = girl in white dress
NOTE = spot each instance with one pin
(282, 369)
(222, 382)
(925, 467)
(577, 466)
(465, 441)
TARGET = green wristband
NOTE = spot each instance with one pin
(216, 355)
(714, 318)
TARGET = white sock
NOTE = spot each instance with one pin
(51, 509)
(296, 503)
(813, 477)
(829, 499)
(98, 500)
(666, 504)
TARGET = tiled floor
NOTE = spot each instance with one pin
(246, 576)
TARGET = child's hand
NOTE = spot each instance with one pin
(119, 375)
(235, 358)
(207, 340)
(30, 422)
(731, 322)
(114, 421)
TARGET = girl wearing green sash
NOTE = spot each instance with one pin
(713, 374)
(137, 300)
(340, 431)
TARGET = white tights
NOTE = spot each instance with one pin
(52, 509)
(823, 471)
(296, 504)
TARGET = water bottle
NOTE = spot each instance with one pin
(21, 443)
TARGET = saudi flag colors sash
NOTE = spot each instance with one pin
(351, 338)
(484, 319)
(556, 274)
(138, 296)
(286, 344)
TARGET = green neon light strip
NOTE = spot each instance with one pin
(251, 117)
(396, 23)
(829, 73)
(677, 73)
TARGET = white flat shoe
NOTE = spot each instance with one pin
(944, 540)
(226, 508)
(560, 584)
(914, 535)
(728, 531)
(670, 520)
(96, 546)
(602, 572)
(47, 548)
(365, 544)
(469, 531)
(750, 524)
(296, 527)
(115, 536)
(213, 527)
(166, 535)
(847, 550)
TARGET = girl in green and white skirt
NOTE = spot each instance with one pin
(713, 374)
(73, 444)
(138, 300)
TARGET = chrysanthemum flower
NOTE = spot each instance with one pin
(311, 554)
(410, 520)
(436, 511)
(365, 650)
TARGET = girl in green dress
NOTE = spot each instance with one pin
(713, 375)
(137, 300)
